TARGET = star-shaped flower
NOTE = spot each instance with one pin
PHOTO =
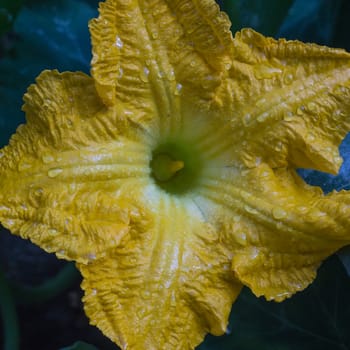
(169, 176)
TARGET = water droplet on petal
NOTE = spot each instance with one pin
(279, 213)
(144, 74)
(22, 166)
(260, 102)
(279, 146)
(312, 107)
(310, 137)
(52, 231)
(171, 75)
(91, 256)
(61, 253)
(266, 72)
(228, 66)
(38, 192)
(120, 73)
(54, 172)
(288, 78)
(300, 110)
(47, 158)
(118, 42)
(262, 117)
(247, 119)
(72, 188)
(257, 161)
(178, 89)
(241, 238)
(289, 116)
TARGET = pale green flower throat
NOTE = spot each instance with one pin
(175, 167)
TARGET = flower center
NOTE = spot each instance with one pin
(175, 167)
(164, 167)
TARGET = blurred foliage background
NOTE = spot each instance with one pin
(40, 298)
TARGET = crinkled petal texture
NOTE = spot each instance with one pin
(62, 170)
(161, 266)
(164, 289)
(298, 110)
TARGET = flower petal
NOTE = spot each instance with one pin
(164, 288)
(279, 228)
(64, 169)
(147, 54)
(292, 101)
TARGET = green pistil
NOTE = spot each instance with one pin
(176, 167)
(165, 168)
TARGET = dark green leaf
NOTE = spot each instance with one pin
(311, 21)
(264, 16)
(51, 35)
(8, 12)
(315, 319)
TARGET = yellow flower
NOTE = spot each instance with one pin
(169, 176)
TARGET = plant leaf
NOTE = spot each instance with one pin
(313, 319)
(50, 35)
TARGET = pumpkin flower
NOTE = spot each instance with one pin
(169, 176)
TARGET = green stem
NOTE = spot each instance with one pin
(9, 316)
(49, 289)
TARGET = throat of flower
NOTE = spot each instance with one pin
(176, 166)
(164, 167)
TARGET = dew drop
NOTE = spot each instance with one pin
(154, 35)
(118, 42)
(289, 116)
(72, 188)
(61, 253)
(52, 231)
(54, 172)
(257, 161)
(260, 102)
(241, 238)
(337, 113)
(266, 72)
(247, 119)
(178, 89)
(120, 73)
(279, 213)
(338, 160)
(300, 110)
(228, 66)
(47, 158)
(250, 209)
(312, 107)
(288, 78)
(93, 291)
(310, 137)
(22, 166)
(279, 146)
(38, 192)
(171, 75)
(144, 74)
(262, 117)
(91, 256)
